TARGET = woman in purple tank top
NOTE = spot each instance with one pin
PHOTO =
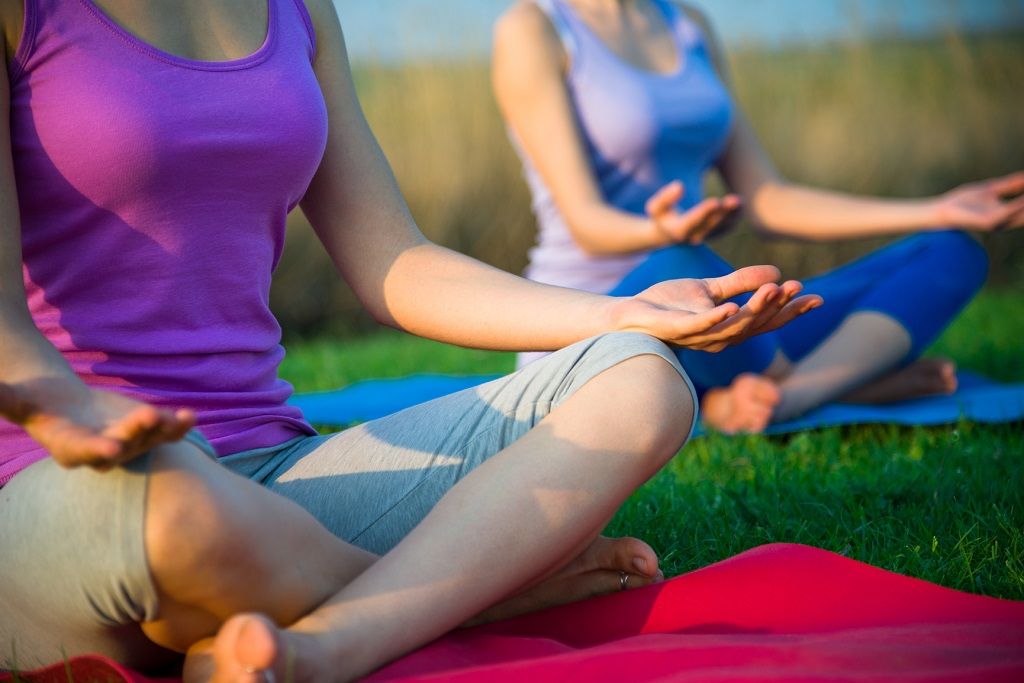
(155, 150)
(618, 109)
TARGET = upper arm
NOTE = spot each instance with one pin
(353, 201)
(529, 83)
(745, 165)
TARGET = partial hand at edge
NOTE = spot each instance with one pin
(691, 313)
(988, 205)
(82, 426)
(711, 216)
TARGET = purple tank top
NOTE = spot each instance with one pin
(642, 130)
(153, 192)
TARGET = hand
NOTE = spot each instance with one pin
(82, 426)
(712, 215)
(988, 205)
(690, 313)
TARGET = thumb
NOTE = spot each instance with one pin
(739, 281)
(665, 199)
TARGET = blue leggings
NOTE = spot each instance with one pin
(921, 282)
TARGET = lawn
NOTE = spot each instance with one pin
(944, 504)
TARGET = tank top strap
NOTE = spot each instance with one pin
(687, 32)
(562, 26)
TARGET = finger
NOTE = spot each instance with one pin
(665, 199)
(791, 312)
(708, 225)
(184, 421)
(684, 328)
(743, 280)
(1008, 185)
(792, 287)
(169, 427)
(72, 445)
(173, 428)
(135, 425)
(1016, 221)
(737, 326)
(1010, 211)
(788, 290)
(776, 304)
(682, 225)
(732, 202)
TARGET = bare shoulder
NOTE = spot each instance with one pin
(12, 16)
(320, 11)
(710, 35)
(524, 29)
(330, 42)
(323, 14)
(696, 16)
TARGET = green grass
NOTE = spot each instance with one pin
(944, 504)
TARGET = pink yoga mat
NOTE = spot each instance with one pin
(775, 613)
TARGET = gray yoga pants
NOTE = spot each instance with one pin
(73, 571)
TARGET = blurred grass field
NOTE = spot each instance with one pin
(895, 118)
(944, 504)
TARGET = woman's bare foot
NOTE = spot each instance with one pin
(926, 377)
(597, 571)
(250, 645)
(250, 648)
(744, 406)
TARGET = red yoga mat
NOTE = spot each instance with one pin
(775, 613)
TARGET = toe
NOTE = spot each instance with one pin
(622, 555)
(245, 646)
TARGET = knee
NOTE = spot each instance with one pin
(654, 397)
(958, 258)
(195, 523)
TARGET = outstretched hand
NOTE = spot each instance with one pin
(691, 313)
(993, 204)
(693, 226)
(82, 426)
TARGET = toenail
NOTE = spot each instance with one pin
(641, 564)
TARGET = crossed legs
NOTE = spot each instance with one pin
(177, 553)
(880, 313)
(514, 519)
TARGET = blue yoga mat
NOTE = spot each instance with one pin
(978, 399)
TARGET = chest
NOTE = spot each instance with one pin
(201, 30)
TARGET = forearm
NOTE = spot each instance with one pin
(603, 230)
(25, 354)
(437, 293)
(810, 213)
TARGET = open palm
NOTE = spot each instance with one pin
(78, 425)
(694, 313)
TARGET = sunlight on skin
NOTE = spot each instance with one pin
(864, 347)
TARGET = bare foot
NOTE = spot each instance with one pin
(597, 571)
(249, 648)
(744, 406)
(926, 377)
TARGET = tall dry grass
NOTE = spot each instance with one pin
(888, 118)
